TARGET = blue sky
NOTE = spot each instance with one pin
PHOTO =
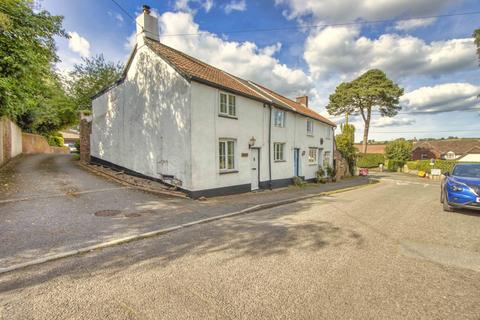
(433, 59)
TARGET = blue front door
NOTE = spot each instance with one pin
(296, 155)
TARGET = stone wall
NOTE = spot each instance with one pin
(34, 143)
(341, 166)
(10, 140)
(85, 131)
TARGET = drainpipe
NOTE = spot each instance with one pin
(270, 148)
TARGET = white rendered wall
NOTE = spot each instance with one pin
(208, 127)
(143, 124)
(294, 134)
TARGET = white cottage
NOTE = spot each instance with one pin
(176, 119)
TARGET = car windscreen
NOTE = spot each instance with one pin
(467, 170)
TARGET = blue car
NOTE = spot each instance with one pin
(461, 188)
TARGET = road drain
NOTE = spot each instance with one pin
(107, 213)
(132, 215)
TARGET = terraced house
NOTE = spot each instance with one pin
(177, 119)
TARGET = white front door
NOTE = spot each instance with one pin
(254, 168)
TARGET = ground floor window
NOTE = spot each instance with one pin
(326, 159)
(312, 155)
(278, 151)
(226, 153)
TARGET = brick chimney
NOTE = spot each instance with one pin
(147, 26)
(303, 100)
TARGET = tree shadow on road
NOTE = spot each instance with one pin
(273, 232)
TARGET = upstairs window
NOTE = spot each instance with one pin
(228, 105)
(278, 118)
(328, 132)
(310, 127)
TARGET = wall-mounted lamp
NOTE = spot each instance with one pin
(251, 142)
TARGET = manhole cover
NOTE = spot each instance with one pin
(107, 213)
(132, 214)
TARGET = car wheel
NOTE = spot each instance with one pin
(446, 206)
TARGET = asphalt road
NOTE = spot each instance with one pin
(386, 251)
(48, 205)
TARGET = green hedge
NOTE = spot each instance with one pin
(424, 165)
(370, 160)
(395, 165)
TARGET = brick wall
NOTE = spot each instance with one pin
(85, 131)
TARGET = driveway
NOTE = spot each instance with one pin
(387, 251)
(49, 204)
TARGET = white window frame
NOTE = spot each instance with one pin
(276, 121)
(329, 133)
(312, 155)
(310, 127)
(224, 164)
(279, 151)
(228, 107)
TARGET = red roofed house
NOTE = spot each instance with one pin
(452, 149)
(177, 119)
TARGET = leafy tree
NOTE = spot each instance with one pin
(27, 53)
(345, 144)
(369, 91)
(91, 76)
(398, 150)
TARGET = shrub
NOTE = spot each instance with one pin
(399, 150)
(370, 160)
(298, 182)
(55, 140)
(395, 165)
(330, 172)
(320, 176)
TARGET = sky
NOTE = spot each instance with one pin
(308, 47)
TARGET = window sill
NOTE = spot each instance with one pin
(227, 116)
(228, 171)
(310, 134)
(279, 160)
(313, 164)
(278, 126)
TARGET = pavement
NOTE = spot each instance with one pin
(383, 252)
(48, 206)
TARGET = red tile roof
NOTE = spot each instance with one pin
(197, 70)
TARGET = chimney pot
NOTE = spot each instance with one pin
(146, 9)
(303, 100)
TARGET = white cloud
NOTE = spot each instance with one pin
(392, 122)
(240, 5)
(189, 5)
(341, 50)
(407, 25)
(244, 59)
(347, 10)
(79, 44)
(442, 98)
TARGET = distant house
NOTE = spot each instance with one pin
(177, 119)
(454, 149)
(371, 148)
